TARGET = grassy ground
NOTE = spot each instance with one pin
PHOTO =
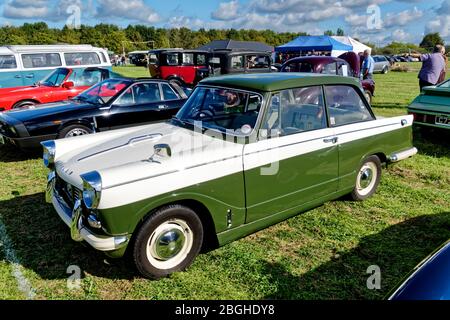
(321, 254)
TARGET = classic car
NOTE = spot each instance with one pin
(382, 64)
(221, 62)
(243, 153)
(430, 280)
(347, 64)
(111, 104)
(432, 107)
(177, 65)
(61, 84)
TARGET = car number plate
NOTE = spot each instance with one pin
(2, 139)
(443, 120)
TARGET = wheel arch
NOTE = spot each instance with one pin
(34, 100)
(83, 122)
(210, 240)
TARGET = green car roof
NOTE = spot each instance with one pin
(277, 81)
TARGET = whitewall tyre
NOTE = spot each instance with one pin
(168, 241)
(367, 179)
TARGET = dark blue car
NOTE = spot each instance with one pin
(430, 280)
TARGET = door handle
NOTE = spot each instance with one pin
(29, 76)
(162, 107)
(17, 76)
(331, 140)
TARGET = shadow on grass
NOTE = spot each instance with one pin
(43, 243)
(396, 250)
(10, 153)
(432, 142)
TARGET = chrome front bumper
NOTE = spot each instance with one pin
(72, 218)
(402, 155)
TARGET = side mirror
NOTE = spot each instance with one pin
(68, 85)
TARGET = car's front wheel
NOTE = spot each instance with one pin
(168, 241)
(74, 130)
(367, 179)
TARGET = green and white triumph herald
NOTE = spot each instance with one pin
(243, 153)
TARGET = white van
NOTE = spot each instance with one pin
(25, 65)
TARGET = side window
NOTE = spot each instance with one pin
(345, 105)
(81, 58)
(237, 62)
(343, 69)
(172, 59)
(296, 110)
(201, 59)
(330, 68)
(103, 57)
(168, 92)
(140, 93)
(41, 60)
(188, 59)
(257, 62)
(8, 62)
(86, 78)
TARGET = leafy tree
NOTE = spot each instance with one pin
(328, 33)
(430, 40)
(340, 32)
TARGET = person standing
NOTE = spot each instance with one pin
(368, 65)
(433, 65)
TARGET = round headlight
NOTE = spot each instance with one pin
(49, 153)
(92, 189)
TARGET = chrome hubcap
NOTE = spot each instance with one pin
(367, 177)
(76, 132)
(169, 244)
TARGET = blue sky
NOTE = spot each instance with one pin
(377, 21)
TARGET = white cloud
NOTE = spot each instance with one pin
(26, 9)
(402, 18)
(135, 10)
(399, 35)
(227, 11)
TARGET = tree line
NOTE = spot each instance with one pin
(142, 37)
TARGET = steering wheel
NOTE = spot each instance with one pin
(204, 114)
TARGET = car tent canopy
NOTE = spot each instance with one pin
(236, 45)
(304, 44)
(356, 45)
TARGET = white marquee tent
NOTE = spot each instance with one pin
(357, 46)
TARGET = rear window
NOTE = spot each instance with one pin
(8, 62)
(81, 58)
(41, 60)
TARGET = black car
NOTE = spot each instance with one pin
(221, 62)
(430, 280)
(111, 104)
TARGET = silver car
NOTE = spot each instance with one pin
(381, 64)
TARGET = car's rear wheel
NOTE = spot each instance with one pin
(368, 96)
(367, 179)
(74, 130)
(25, 103)
(385, 70)
(168, 241)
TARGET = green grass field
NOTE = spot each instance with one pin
(320, 254)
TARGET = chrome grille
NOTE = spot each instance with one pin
(70, 193)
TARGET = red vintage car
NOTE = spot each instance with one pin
(177, 65)
(347, 64)
(61, 84)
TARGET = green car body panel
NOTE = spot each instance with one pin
(308, 173)
(432, 107)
